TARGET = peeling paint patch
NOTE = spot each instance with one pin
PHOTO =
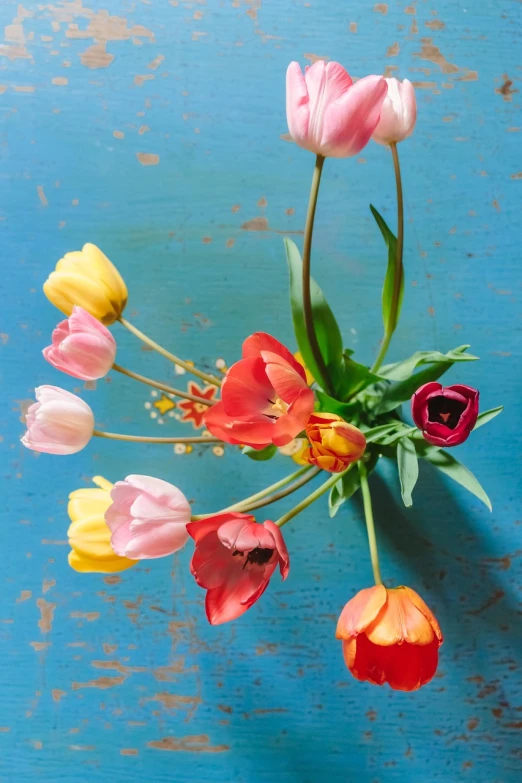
(148, 158)
(100, 682)
(57, 694)
(506, 89)
(381, 8)
(256, 224)
(45, 623)
(60, 81)
(195, 743)
(96, 56)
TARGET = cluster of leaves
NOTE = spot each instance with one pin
(373, 400)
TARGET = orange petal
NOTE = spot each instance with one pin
(399, 621)
(360, 611)
(426, 611)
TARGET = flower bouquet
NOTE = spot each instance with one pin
(335, 416)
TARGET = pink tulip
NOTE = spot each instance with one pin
(82, 347)
(327, 113)
(58, 423)
(398, 113)
(148, 518)
(264, 397)
(234, 559)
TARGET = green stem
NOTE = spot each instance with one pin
(168, 355)
(307, 299)
(397, 280)
(247, 504)
(309, 499)
(268, 490)
(370, 527)
(163, 386)
(147, 439)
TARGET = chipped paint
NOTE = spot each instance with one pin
(197, 743)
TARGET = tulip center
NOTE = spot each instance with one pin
(277, 408)
(257, 556)
(444, 410)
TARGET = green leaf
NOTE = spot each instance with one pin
(408, 469)
(483, 418)
(353, 377)
(347, 410)
(458, 472)
(349, 484)
(326, 328)
(387, 291)
(397, 393)
(399, 371)
(260, 455)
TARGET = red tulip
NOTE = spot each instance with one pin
(447, 415)
(390, 636)
(264, 397)
(234, 559)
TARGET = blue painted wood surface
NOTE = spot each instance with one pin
(155, 132)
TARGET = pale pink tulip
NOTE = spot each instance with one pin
(148, 518)
(327, 113)
(82, 347)
(235, 557)
(398, 113)
(58, 423)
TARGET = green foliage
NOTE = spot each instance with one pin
(260, 455)
(350, 483)
(326, 328)
(408, 466)
(387, 291)
(447, 464)
(484, 418)
(433, 364)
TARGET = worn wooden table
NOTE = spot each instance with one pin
(157, 130)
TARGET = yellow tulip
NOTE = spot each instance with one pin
(89, 535)
(88, 279)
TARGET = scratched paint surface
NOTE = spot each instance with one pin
(158, 132)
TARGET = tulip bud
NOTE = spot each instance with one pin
(334, 444)
(148, 518)
(58, 422)
(89, 536)
(447, 415)
(327, 113)
(87, 278)
(398, 113)
(82, 347)
(390, 635)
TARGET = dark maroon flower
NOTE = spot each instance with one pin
(446, 415)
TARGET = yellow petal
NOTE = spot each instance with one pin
(86, 566)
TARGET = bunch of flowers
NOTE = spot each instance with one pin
(342, 416)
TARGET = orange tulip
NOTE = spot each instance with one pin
(334, 444)
(390, 636)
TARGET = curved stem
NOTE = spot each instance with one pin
(168, 355)
(147, 439)
(370, 527)
(307, 299)
(268, 490)
(163, 386)
(397, 280)
(266, 499)
(309, 499)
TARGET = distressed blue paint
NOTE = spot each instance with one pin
(269, 692)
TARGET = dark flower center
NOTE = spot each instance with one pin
(443, 410)
(257, 556)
